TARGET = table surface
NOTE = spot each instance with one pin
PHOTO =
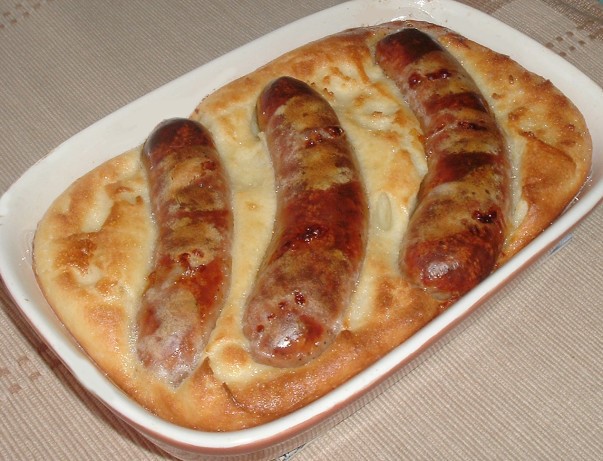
(521, 379)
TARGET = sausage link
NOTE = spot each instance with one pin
(190, 201)
(457, 230)
(311, 267)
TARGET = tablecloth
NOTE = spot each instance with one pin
(521, 379)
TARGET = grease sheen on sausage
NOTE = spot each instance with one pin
(311, 267)
(190, 201)
(457, 230)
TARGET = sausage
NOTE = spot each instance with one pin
(312, 263)
(191, 205)
(456, 232)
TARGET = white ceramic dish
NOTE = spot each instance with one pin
(24, 203)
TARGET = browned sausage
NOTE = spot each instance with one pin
(190, 201)
(312, 264)
(457, 230)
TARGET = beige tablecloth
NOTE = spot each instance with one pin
(520, 380)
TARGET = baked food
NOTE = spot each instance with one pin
(94, 248)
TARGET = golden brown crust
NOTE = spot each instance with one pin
(92, 250)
